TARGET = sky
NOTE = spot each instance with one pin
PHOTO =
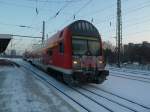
(31, 13)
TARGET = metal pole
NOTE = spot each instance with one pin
(43, 33)
(47, 37)
(119, 32)
(25, 36)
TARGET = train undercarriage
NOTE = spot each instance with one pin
(88, 77)
(80, 77)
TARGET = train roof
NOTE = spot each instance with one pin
(83, 28)
(78, 28)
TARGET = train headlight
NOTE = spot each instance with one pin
(75, 62)
(100, 62)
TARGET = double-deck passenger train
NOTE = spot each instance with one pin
(73, 54)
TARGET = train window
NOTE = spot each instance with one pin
(94, 47)
(61, 47)
(49, 51)
(87, 26)
(75, 27)
(81, 46)
(79, 25)
(91, 28)
(83, 25)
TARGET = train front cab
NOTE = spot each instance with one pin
(87, 58)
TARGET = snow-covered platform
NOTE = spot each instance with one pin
(21, 92)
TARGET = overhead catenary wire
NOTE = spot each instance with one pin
(21, 5)
(134, 10)
(89, 14)
(36, 7)
(84, 6)
(110, 18)
(76, 16)
(137, 23)
(56, 1)
(93, 12)
(77, 12)
(37, 11)
(57, 13)
(13, 4)
(99, 11)
(16, 25)
(124, 14)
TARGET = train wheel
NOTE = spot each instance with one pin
(59, 77)
(69, 80)
(99, 80)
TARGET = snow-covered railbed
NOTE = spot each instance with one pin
(86, 103)
(130, 76)
(115, 95)
(137, 75)
(131, 71)
(111, 103)
(132, 90)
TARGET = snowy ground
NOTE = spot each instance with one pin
(124, 91)
(21, 92)
(133, 66)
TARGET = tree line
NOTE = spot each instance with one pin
(130, 53)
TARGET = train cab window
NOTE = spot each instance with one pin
(49, 51)
(61, 47)
(81, 45)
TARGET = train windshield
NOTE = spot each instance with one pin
(83, 45)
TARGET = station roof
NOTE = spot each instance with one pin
(4, 41)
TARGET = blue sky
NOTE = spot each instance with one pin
(135, 15)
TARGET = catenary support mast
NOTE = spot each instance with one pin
(119, 32)
(43, 33)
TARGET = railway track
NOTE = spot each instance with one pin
(137, 78)
(89, 99)
(138, 72)
(147, 78)
(94, 97)
(86, 91)
(108, 93)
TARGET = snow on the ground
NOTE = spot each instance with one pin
(35, 95)
(113, 97)
(84, 101)
(130, 89)
(132, 74)
(132, 70)
(145, 68)
(21, 92)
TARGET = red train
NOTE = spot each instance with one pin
(73, 54)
